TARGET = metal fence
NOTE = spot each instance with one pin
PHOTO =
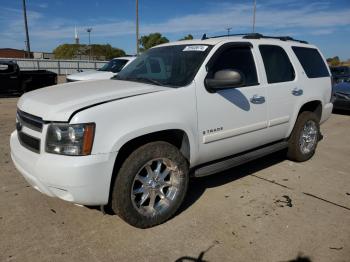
(61, 67)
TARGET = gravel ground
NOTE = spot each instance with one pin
(268, 210)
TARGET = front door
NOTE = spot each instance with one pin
(235, 119)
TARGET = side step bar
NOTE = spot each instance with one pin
(238, 160)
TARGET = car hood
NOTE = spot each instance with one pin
(57, 103)
(342, 88)
(91, 75)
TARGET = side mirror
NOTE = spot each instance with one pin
(223, 79)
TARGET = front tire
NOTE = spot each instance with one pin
(304, 138)
(151, 185)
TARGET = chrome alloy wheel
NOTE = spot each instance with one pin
(155, 187)
(308, 137)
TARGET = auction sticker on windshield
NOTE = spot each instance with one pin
(199, 48)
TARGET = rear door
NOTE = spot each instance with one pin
(283, 89)
(315, 74)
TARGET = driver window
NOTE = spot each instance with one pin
(240, 59)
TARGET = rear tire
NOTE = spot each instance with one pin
(151, 185)
(304, 138)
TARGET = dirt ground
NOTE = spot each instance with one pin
(268, 210)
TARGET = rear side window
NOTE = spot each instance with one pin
(277, 64)
(311, 61)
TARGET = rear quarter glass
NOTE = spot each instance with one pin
(311, 61)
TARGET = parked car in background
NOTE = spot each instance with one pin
(338, 73)
(15, 80)
(341, 91)
(188, 108)
(109, 70)
(340, 70)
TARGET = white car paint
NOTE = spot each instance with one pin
(96, 74)
(125, 110)
(58, 108)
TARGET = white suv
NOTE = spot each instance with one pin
(189, 108)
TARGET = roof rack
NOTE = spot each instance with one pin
(258, 36)
(282, 38)
(218, 36)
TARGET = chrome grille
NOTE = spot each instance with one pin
(33, 122)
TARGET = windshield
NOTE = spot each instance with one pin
(114, 65)
(173, 66)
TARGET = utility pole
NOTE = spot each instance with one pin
(26, 28)
(228, 30)
(89, 32)
(254, 13)
(137, 27)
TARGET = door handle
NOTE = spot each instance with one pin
(297, 91)
(256, 99)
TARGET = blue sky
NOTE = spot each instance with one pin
(325, 23)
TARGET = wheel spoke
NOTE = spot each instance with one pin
(142, 179)
(149, 170)
(139, 190)
(166, 184)
(164, 199)
(159, 166)
(164, 174)
(152, 199)
(144, 197)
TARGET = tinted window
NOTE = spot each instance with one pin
(277, 64)
(237, 58)
(311, 61)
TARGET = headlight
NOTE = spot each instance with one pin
(72, 140)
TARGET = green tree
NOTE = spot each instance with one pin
(69, 51)
(187, 37)
(334, 61)
(66, 51)
(148, 41)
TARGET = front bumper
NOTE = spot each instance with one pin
(82, 180)
(326, 112)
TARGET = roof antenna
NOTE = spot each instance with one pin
(204, 37)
